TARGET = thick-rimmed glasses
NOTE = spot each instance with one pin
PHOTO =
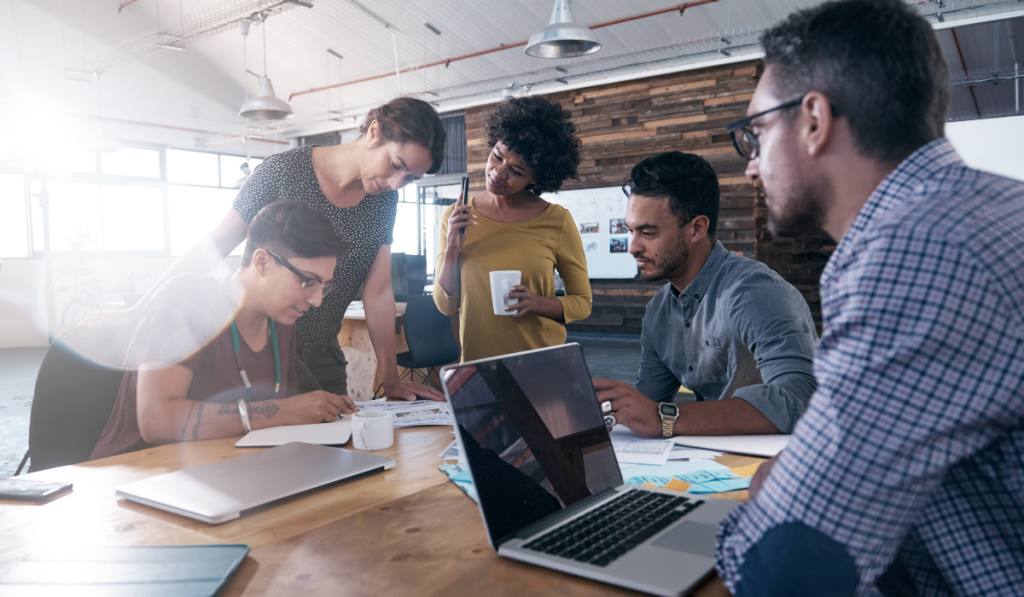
(743, 137)
(309, 285)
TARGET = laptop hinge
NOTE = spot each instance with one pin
(557, 517)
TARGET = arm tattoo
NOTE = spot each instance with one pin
(199, 421)
(187, 417)
(227, 409)
(268, 409)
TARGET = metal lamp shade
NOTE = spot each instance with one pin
(562, 38)
(265, 105)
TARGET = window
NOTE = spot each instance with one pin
(132, 161)
(231, 175)
(75, 217)
(193, 167)
(14, 221)
(133, 218)
(72, 160)
(194, 212)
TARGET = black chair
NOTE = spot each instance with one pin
(416, 273)
(428, 332)
(75, 393)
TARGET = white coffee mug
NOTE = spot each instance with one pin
(501, 282)
(372, 430)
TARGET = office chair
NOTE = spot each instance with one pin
(75, 394)
(428, 332)
(416, 273)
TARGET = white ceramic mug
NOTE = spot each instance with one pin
(372, 430)
(501, 282)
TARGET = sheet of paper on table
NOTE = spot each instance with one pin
(418, 413)
(764, 446)
(694, 476)
(325, 434)
(631, 448)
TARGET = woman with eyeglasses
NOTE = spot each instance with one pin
(215, 357)
(355, 185)
(534, 149)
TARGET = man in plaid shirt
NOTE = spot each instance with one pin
(906, 474)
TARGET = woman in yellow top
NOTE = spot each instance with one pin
(534, 149)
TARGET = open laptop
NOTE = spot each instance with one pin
(227, 489)
(549, 486)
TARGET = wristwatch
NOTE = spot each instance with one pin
(669, 413)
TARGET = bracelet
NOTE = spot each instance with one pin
(243, 411)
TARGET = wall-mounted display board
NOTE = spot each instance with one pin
(600, 217)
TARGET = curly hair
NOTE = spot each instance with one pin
(542, 134)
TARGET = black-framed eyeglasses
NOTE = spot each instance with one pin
(743, 137)
(309, 285)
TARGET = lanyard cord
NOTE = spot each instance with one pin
(238, 357)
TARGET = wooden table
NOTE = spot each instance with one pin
(407, 531)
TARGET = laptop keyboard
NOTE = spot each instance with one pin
(608, 532)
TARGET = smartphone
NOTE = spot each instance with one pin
(30, 490)
(464, 198)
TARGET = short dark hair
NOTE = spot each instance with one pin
(542, 133)
(292, 229)
(688, 182)
(877, 61)
(405, 119)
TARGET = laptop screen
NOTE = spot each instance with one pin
(533, 435)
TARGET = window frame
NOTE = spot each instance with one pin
(33, 178)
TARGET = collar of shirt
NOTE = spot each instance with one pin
(894, 188)
(699, 285)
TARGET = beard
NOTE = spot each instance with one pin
(664, 267)
(801, 212)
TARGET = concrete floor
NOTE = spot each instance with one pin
(613, 358)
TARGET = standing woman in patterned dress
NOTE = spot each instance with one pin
(355, 185)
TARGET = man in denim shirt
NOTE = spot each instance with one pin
(728, 328)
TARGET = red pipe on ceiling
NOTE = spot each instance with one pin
(446, 62)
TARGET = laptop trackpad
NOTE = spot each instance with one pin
(696, 538)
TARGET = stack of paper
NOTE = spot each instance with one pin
(413, 414)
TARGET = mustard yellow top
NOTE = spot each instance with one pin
(535, 247)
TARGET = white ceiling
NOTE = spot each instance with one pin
(297, 40)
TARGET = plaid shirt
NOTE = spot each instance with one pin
(911, 452)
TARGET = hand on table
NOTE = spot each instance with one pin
(631, 408)
(410, 391)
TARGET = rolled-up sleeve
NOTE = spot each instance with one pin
(654, 379)
(775, 323)
(578, 301)
(446, 303)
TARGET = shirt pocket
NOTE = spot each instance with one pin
(707, 344)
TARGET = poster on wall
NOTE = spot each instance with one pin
(600, 217)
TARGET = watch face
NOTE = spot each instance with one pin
(669, 410)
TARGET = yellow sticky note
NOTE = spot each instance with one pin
(677, 485)
(650, 485)
(746, 471)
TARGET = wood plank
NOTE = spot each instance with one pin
(591, 139)
(728, 99)
(655, 124)
(615, 90)
(682, 87)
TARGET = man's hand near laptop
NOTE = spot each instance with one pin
(731, 416)
(166, 416)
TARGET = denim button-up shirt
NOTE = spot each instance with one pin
(737, 331)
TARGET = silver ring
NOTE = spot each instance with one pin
(606, 406)
(610, 420)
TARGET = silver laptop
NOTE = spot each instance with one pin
(227, 489)
(549, 486)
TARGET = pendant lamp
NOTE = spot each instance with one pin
(562, 38)
(265, 105)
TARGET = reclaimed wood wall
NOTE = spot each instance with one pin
(622, 123)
